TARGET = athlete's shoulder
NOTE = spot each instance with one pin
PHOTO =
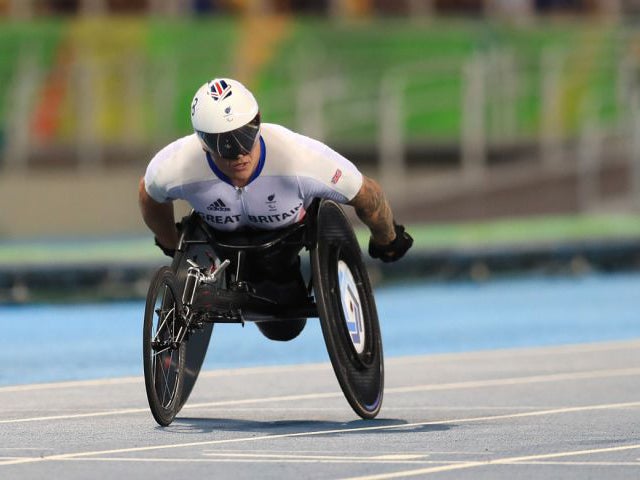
(278, 138)
(178, 163)
(286, 145)
(321, 169)
(177, 151)
(283, 137)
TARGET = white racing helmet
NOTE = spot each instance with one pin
(226, 117)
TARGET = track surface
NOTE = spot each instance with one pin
(553, 412)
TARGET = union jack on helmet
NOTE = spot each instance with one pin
(226, 117)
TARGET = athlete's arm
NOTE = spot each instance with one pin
(372, 207)
(389, 241)
(159, 218)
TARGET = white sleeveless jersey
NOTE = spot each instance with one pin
(292, 171)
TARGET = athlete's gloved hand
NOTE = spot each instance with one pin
(169, 252)
(394, 250)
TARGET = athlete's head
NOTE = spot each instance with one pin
(226, 117)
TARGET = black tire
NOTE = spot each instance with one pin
(198, 341)
(163, 361)
(357, 359)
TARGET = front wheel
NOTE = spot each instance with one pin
(164, 356)
(347, 311)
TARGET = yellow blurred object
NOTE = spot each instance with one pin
(94, 60)
(581, 67)
(358, 7)
(260, 36)
(576, 73)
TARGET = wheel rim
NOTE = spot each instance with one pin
(164, 353)
(351, 307)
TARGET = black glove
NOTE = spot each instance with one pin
(169, 252)
(394, 250)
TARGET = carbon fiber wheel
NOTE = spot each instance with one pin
(347, 311)
(164, 357)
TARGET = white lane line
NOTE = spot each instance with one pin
(67, 456)
(388, 409)
(556, 377)
(566, 349)
(520, 352)
(585, 464)
(76, 415)
(488, 463)
(329, 453)
(553, 377)
(39, 449)
(256, 460)
(372, 453)
(137, 380)
(364, 458)
(73, 384)
(243, 401)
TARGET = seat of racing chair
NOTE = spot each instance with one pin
(277, 255)
(258, 240)
(250, 240)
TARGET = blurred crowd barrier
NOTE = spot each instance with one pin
(336, 8)
(436, 107)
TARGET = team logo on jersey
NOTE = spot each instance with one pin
(271, 202)
(220, 90)
(218, 206)
(336, 176)
(282, 217)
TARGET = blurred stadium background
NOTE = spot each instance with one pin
(465, 110)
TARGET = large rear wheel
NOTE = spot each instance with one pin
(164, 356)
(347, 311)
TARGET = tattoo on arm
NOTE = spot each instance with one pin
(373, 209)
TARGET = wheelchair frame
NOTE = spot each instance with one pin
(178, 338)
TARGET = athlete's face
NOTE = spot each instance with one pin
(240, 169)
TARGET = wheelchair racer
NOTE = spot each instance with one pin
(239, 174)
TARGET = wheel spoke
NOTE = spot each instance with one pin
(162, 322)
(165, 377)
(160, 352)
(161, 377)
(164, 356)
(163, 359)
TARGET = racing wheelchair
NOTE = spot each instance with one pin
(212, 280)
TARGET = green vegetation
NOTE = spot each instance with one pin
(349, 60)
(523, 232)
(428, 60)
(39, 39)
(492, 234)
(190, 51)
